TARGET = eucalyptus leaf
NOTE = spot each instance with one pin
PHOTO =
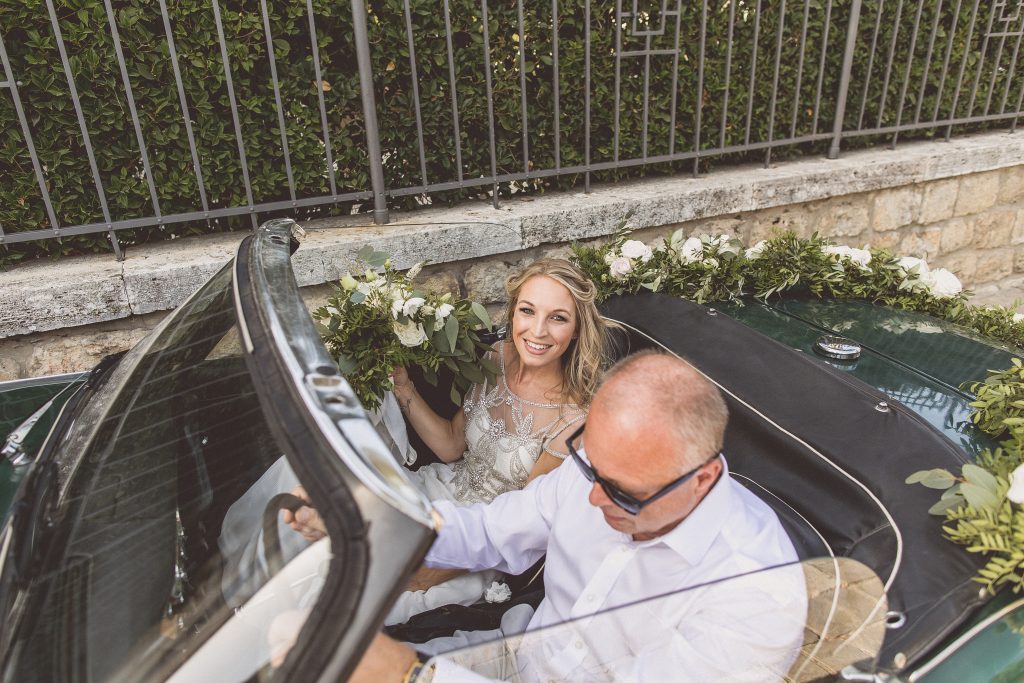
(455, 396)
(481, 314)
(944, 504)
(933, 479)
(978, 476)
(979, 497)
(451, 330)
(357, 297)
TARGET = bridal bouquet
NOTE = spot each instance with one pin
(379, 320)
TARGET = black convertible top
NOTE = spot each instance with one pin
(811, 441)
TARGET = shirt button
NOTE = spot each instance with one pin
(578, 644)
(591, 598)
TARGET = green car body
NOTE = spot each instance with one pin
(914, 359)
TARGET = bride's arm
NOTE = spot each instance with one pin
(545, 463)
(554, 450)
(447, 438)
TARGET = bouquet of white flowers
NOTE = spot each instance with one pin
(379, 320)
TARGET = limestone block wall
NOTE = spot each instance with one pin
(959, 205)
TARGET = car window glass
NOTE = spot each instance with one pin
(162, 525)
(798, 622)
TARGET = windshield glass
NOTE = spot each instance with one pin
(160, 531)
(799, 622)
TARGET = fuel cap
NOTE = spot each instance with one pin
(836, 347)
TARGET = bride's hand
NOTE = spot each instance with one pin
(400, 376)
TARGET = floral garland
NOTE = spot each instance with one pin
(712, 268)
(377, 321)
(984, 505)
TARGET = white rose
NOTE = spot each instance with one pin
(755, 251)
(410, 334)
(942, 283)
(909, 263)
(692, 250)
(1017, 317)
(609, 257)
(710, 262)
(413, 305)
(444, 310)
(620, 267)
(861, 257)
(397, 304)
(1016, 492)
(497, 592)
(636, 249)
(427, 309)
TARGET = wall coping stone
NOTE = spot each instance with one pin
(47, 295)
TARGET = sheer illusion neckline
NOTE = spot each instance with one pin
(504, 381)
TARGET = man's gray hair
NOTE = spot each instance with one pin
(671, 393)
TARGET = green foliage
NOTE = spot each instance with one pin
(376, 322)
(999, 400)
(731, 112)
(981, 512)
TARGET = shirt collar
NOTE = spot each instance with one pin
(692, 538)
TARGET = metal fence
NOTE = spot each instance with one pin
(580, 90)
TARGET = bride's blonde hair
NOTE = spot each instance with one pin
(584, 361)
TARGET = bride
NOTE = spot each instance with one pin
(509, 432)
(513, 431)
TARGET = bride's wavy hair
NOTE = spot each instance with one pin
(585, 359)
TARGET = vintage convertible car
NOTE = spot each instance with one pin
(142, 538)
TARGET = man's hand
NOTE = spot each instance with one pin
(306, 520)
(427, 577)
(385, 661)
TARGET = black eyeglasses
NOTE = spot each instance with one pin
(629, 503)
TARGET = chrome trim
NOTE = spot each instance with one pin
(330, 403)
(42, 381)
(950, 649)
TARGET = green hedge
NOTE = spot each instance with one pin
(32, 48)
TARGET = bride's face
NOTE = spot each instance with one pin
(543, 322)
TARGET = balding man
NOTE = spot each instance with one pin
(647, 509)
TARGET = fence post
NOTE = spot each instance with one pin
(844, 78)
(362, 44)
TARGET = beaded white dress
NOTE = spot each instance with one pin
(505, 436)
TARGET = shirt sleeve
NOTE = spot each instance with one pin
(509, 534)
(746, 630)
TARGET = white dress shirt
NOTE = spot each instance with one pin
(746, 629)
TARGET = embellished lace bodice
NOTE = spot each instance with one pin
(505, 435)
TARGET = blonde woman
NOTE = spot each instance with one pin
(513, 431)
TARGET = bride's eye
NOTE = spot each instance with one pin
(525, 310)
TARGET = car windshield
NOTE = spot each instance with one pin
(163, 521)
(798, 622)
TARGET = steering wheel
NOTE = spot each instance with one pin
(271, 537)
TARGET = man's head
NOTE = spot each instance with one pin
(654, 419)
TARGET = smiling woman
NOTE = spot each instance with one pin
(511, 430)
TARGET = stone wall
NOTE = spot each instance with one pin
(959, 205)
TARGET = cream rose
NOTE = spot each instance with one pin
(632, 249)
(413, 305)
(692, 250)
(410, 334)
(754, 252)
(909, 263)
(942, 283)
(620, 267)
